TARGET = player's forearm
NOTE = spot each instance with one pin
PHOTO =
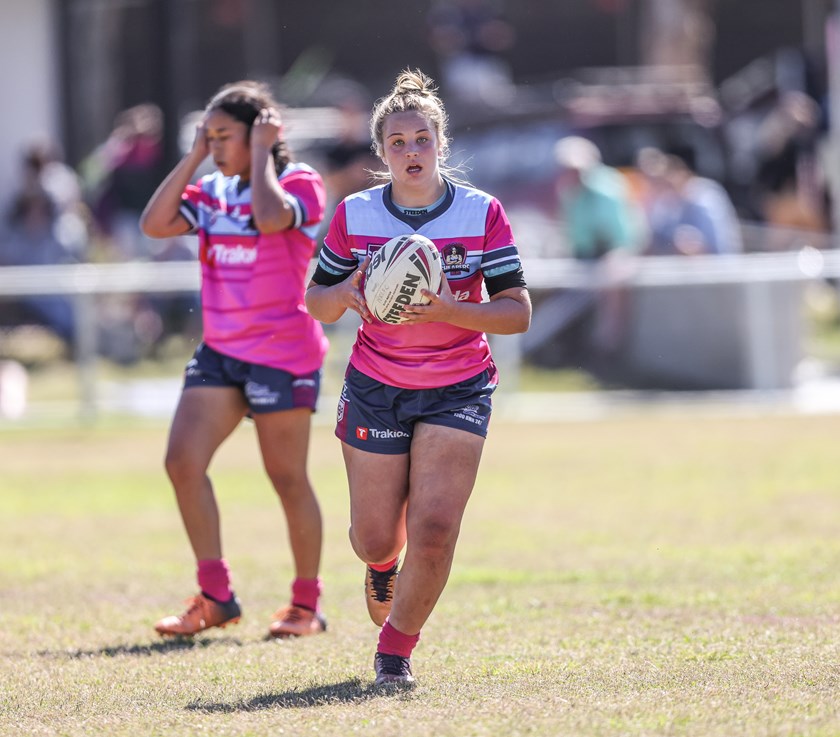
(269, 208)
(161, 217)
(505, 314)
(324, 303)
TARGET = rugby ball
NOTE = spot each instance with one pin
(396, 274)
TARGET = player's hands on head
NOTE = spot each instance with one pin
(200, 146)
(267, 127)
(441, 307)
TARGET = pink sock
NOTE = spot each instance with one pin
(305, 592)
(214, 578)
(394, 642)
(384, 566)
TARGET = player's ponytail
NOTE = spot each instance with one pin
(412, 91)
(413, 81)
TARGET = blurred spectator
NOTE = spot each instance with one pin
(470, 38)
(603, 229)
(791, 187)
(687, 214)
(349, 159)
(596, 204)
(778, 125)
(44, 168)
(44, 226)
(121, 175)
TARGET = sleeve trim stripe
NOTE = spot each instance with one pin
(344, 264)
(500, 252)
(189, 214)
(298, 210)
(491, 263)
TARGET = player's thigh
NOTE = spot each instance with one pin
(284, 441)
(205, 416)
(378, 485)
(444, 465)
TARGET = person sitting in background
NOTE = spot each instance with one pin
(121, 176)
(470, 39)
(44, 169)
(349, 158)
(602, 226)
(595, 202)
(790, 181)
(45, 226)
(687, 214)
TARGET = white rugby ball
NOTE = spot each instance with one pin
(396, 274)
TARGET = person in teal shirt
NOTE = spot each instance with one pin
(604, 228)
(595, 201)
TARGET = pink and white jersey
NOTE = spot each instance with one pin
(252, 284)
(473, 234)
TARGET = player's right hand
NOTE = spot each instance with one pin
(200, 147)
(353, 297)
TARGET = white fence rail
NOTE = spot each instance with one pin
(84, 282)
(181, 276)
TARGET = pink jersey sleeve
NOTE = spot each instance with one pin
(307, 187)
(336, 239)
(498, 231)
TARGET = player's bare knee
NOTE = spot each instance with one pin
(375, 548)
(291, 486)
(181, 466)
(434, 537)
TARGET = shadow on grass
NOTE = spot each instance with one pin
(336, 693)
(154, 648)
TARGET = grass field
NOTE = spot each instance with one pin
(643, 575)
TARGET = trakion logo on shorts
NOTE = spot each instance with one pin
(363, 433)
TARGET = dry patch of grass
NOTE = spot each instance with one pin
(638, 576)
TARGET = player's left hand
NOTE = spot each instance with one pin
(441, 307)
(267, 128)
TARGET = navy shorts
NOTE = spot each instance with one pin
(380, 418)
(266, 389)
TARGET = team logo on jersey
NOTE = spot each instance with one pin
(454, 258)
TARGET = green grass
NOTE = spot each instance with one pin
(643, 575)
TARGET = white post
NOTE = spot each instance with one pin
(84, 314)
(832, 46)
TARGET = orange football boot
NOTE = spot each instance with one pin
(379, 592)
(202, 613)
(296, 621)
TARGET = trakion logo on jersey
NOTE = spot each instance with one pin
(237, 255)
(362, 433)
